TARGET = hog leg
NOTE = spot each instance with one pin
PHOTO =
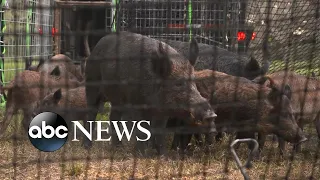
(173, 122)
(261, 142)
(115, 115)
(159, 122)
(198, 139)
(297, 147)
(181, 140)
(184, 141)
(7, 118)
(27, 115)
(175, 142)
(242, 135)
(218, 137)
(93, 102)
(208, 138)
(9, 112)
(282, 145)
(317, 122)
(141, 146)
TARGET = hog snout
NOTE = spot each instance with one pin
(211, 125)
(209, 114)
(301, 137)
(296, 138)
(304, 139)
(205, 113)
(208, 119)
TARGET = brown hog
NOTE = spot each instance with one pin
(26, 89)
(305, 98)
(67, 67)
(237, 100)
(71, 104)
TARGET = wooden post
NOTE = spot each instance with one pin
(57, 25)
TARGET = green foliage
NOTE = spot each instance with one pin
(301, 67)
(11, 68)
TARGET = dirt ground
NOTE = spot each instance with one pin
(20, 160)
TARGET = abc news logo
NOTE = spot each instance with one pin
(48, 131)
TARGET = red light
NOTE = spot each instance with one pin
(241, 36)
(40, 31)
(176, 25)
(253, 36)
(53, 31)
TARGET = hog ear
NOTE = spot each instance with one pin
(287, 91)
(260, 80)
(57, 96)
(33, 68)
(252, 65)
(274, 96)
(193, 51)
(161, 63)
(56, 71)
(41, 62)
(277, 96)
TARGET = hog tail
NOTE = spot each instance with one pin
(86, 41)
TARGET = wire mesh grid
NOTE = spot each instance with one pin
(28, 34)
(248, 106)
(214, 22)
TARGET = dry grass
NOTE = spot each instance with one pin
(20, 160)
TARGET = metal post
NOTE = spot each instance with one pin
(3, 50)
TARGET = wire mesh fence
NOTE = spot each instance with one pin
(26, 36)
(290, 29)
(235, 69)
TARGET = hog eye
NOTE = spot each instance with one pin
(181, 83)
(45, 103)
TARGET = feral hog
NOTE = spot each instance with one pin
(26, 89)
(150, 76)
(244, 106)
(305, 98)
(222, 60)
(71, 104)
(67, 67)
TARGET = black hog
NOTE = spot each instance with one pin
(222, 60)
(305, 98)
(133, 59)
(244, 106)
(26, 89)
